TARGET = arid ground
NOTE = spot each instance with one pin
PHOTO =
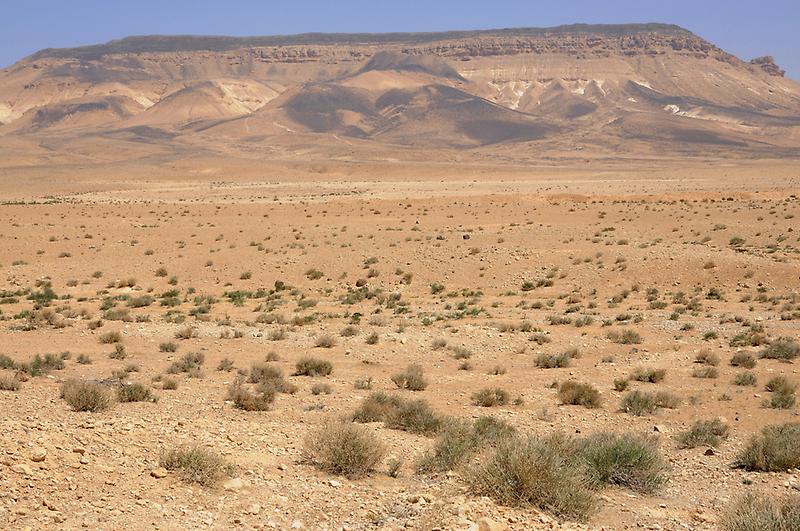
(510, 278)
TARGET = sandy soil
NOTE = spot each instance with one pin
(598, 236)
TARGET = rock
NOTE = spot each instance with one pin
(487, 524)
(20, 468)
(233, 484)
(660, 428)
(297, 524)
(79, 450)
(38, 454)
(254, 509)
(335, 483)
(159, 473)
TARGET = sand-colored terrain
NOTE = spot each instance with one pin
(644, 248)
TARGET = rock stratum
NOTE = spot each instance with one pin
(616, 89)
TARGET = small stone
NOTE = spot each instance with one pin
(23, 469)
(660, 428)
(335, 483)
(233, 484)
(297, 524)
(79, 450)
(158, 473)
(254, 509)
(38, 454)
(487, 524)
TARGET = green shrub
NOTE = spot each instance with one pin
(705, 372)
(85, 396)
(703, 433)
(490, 397)
(414, 416)
(650, 375)
(706, 357)
(537, 472)
(461, 439)
(625, 337)
(196, 465)
(745, 378)
(579, 394)
(639, 403)
(258, 399)
(9, 383)
(626, 460)
(553, 361)
(308, 366)
(762, 512)
(743, 359)
(343, 448)
(621, 384)
(191, 361)
(135, 392)
(412, 378)
(775, 449)
(784, 349)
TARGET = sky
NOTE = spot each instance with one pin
(745, 28)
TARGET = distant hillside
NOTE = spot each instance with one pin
(615, 89)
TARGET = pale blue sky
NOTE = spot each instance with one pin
(745, 28)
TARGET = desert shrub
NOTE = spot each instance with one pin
(745, 378)
(553, 361)
(490, 397)
(258, 399)
(9, 383)
(6, 362)
(780, 383)
(667, 400)
(579, 394)
(189, 362)
(621, 384)
(537, 472)
(196, 465)
(775, 449)
(83, 359)
(743, 359)
(705, 372)
(372, 339)
(627, 460)
(343, 448)
(264, 373)
(461, 353)
(703, 433)
(639, 403)
(650, 375)
(110, 337)
(41, 365)
(225, 365)
(308, 366)
(412, 378)
(169, 346)
(169, 384)
(460, 439)
(784, 349)
(363, 383)
(187, 332)
(86, 396)
(321, 389)
(781, 399)
(349, 331)
(325, 341)
(762, 512)
(414, 416)
(135, 392)
(625, 337)
(119, 352)
(706, 357)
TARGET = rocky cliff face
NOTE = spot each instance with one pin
(575, 80)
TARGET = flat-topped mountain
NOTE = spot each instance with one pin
(622, 88)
